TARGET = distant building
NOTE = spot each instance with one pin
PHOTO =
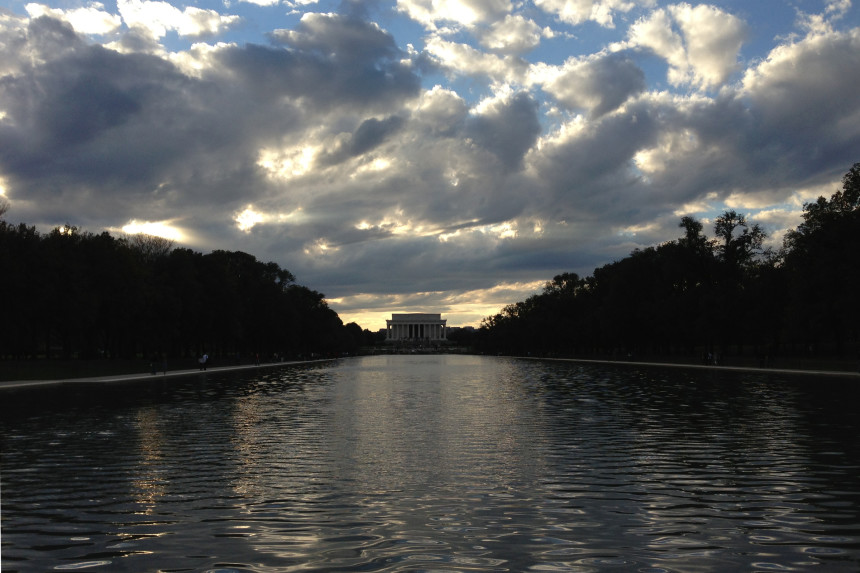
(418, 326)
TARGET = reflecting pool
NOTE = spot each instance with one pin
(435, 463)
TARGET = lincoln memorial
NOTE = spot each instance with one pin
(416, 327)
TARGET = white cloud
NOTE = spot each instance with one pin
(199, 58)
(822, 23)
(92, 19)
(671, 149)
(157, 18)
(466, 60)
(701, 44)
(513, 35)
(786, 88)
(713, 41)
(578, 11)
(263, 2)
(466, 13)
(441, 110)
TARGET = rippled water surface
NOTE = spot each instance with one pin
(438, 463)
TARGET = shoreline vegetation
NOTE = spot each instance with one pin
(70, 295)
(80, 304)
(722, 300)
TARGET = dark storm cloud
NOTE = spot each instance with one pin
(589, 176)
(84, 114)
(369, 135)
(508, 130)
(339, 38)
(318, 82)
(84, 122)
(342, 59)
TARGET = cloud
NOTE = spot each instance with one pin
(822, 23)
(463, 59)
(507, 127)
(369, 135)
(597, 84)
(334, 59)
(579, 11)
(157, 18)
(512, 35)
(328, 148)
(466, 13)
(92, 19)
(93, 119)
(701, 44)
(441, 112)
(339, 37)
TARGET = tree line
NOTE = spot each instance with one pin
(698, 295)
(74, 294)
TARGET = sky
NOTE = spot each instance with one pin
(445, 156)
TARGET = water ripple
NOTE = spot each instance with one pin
(444, 463)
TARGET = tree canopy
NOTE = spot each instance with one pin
(706, 295)
(72, 293)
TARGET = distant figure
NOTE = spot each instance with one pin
(164, 366)
(203, 360)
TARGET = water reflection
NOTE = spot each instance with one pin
(450, 463)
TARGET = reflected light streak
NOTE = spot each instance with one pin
(149, 485)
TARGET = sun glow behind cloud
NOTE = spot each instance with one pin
(462, 308)
(163, 229)
(287, 163)
(248, 218)
(251, 216)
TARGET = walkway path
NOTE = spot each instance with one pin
(142, 376)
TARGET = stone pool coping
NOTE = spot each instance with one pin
(138, 377)
(842, 373)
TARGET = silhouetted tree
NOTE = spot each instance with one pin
(697, 294)
(82, 295)
(821, 257)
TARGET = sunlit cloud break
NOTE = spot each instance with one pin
(163, 229)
